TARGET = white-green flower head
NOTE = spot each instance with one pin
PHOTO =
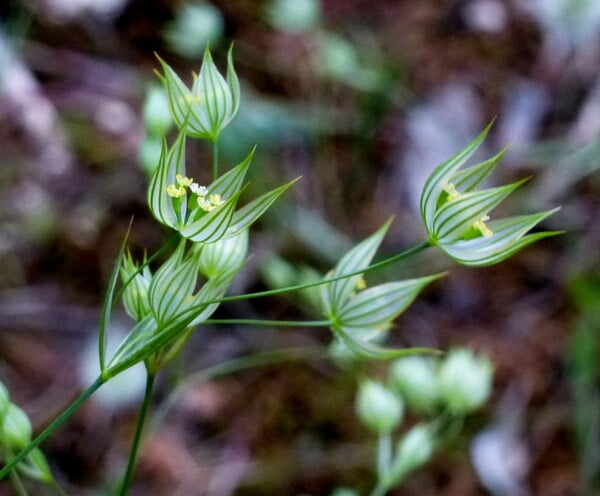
(457, 219)
(211, 103)
(465, 381)
(378, 407)
(203, 214)
(415, 378)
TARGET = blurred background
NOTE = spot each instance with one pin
(362, 99)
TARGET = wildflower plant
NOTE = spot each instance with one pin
(174, 293)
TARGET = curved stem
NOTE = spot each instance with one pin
(384, 455)
(215, 147)
(279, 323)
(138, 433)
(55, 424)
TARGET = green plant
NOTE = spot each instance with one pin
(171, 300)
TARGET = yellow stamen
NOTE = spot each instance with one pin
(453, 193)
(205, 205)
(360, 284)
(482, 227)
(215, 200)
(183, 180)
(175, 191)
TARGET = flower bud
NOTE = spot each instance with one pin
(415, 378)
(156, 112)
(378, 408)
(222, 255)
(16, 428)
(465, 381)
(413, 450)
(135, 294)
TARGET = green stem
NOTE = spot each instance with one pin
(261, 359)
(370, 268)
(279, 323)
(55, 424)
(138, 433)
(384, 455)
(215, 147)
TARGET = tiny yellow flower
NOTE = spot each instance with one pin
(215, 200)
(175, 191)
(361, 284)
(453, 193)
(183, 180)
(482, 227)
(205, 205)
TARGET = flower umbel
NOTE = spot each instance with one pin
(456, 215)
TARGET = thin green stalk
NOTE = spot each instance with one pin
(278, 323)
(261, 359)
(384, 455)
(215, 147)
(138, 433)
(55, 424)
(18, 484)
(58, 489)
(288, 289)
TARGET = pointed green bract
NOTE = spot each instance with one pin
(335, 294)
(219, 256)
(379, 305)
(212, 102)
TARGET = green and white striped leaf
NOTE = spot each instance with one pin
(508, 238)
(380, 305)
(454, 217)
(441, 175)
(335, 294)
(251, 212)
(172, 286)
(466, 180)
(221, 255)
(171, 163)
(231, 182)
(135, 291)
(213, 225)
(233, 82)
(371, 351)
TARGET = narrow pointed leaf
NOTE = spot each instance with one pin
(212, 226)
(370, 351)
(171, 163)
(252, 211)
(467, 179)
(108, 303)
(231, 182)
(356, 259)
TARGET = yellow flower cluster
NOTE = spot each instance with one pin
(179, 189)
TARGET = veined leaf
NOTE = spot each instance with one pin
(379, 305)
(249, 213)
(467, 179)
(356, 259)
(213, 225)
(231, 182)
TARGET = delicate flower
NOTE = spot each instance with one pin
(212, 102)
(209, 213)
(456, 216)
(378, 408)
